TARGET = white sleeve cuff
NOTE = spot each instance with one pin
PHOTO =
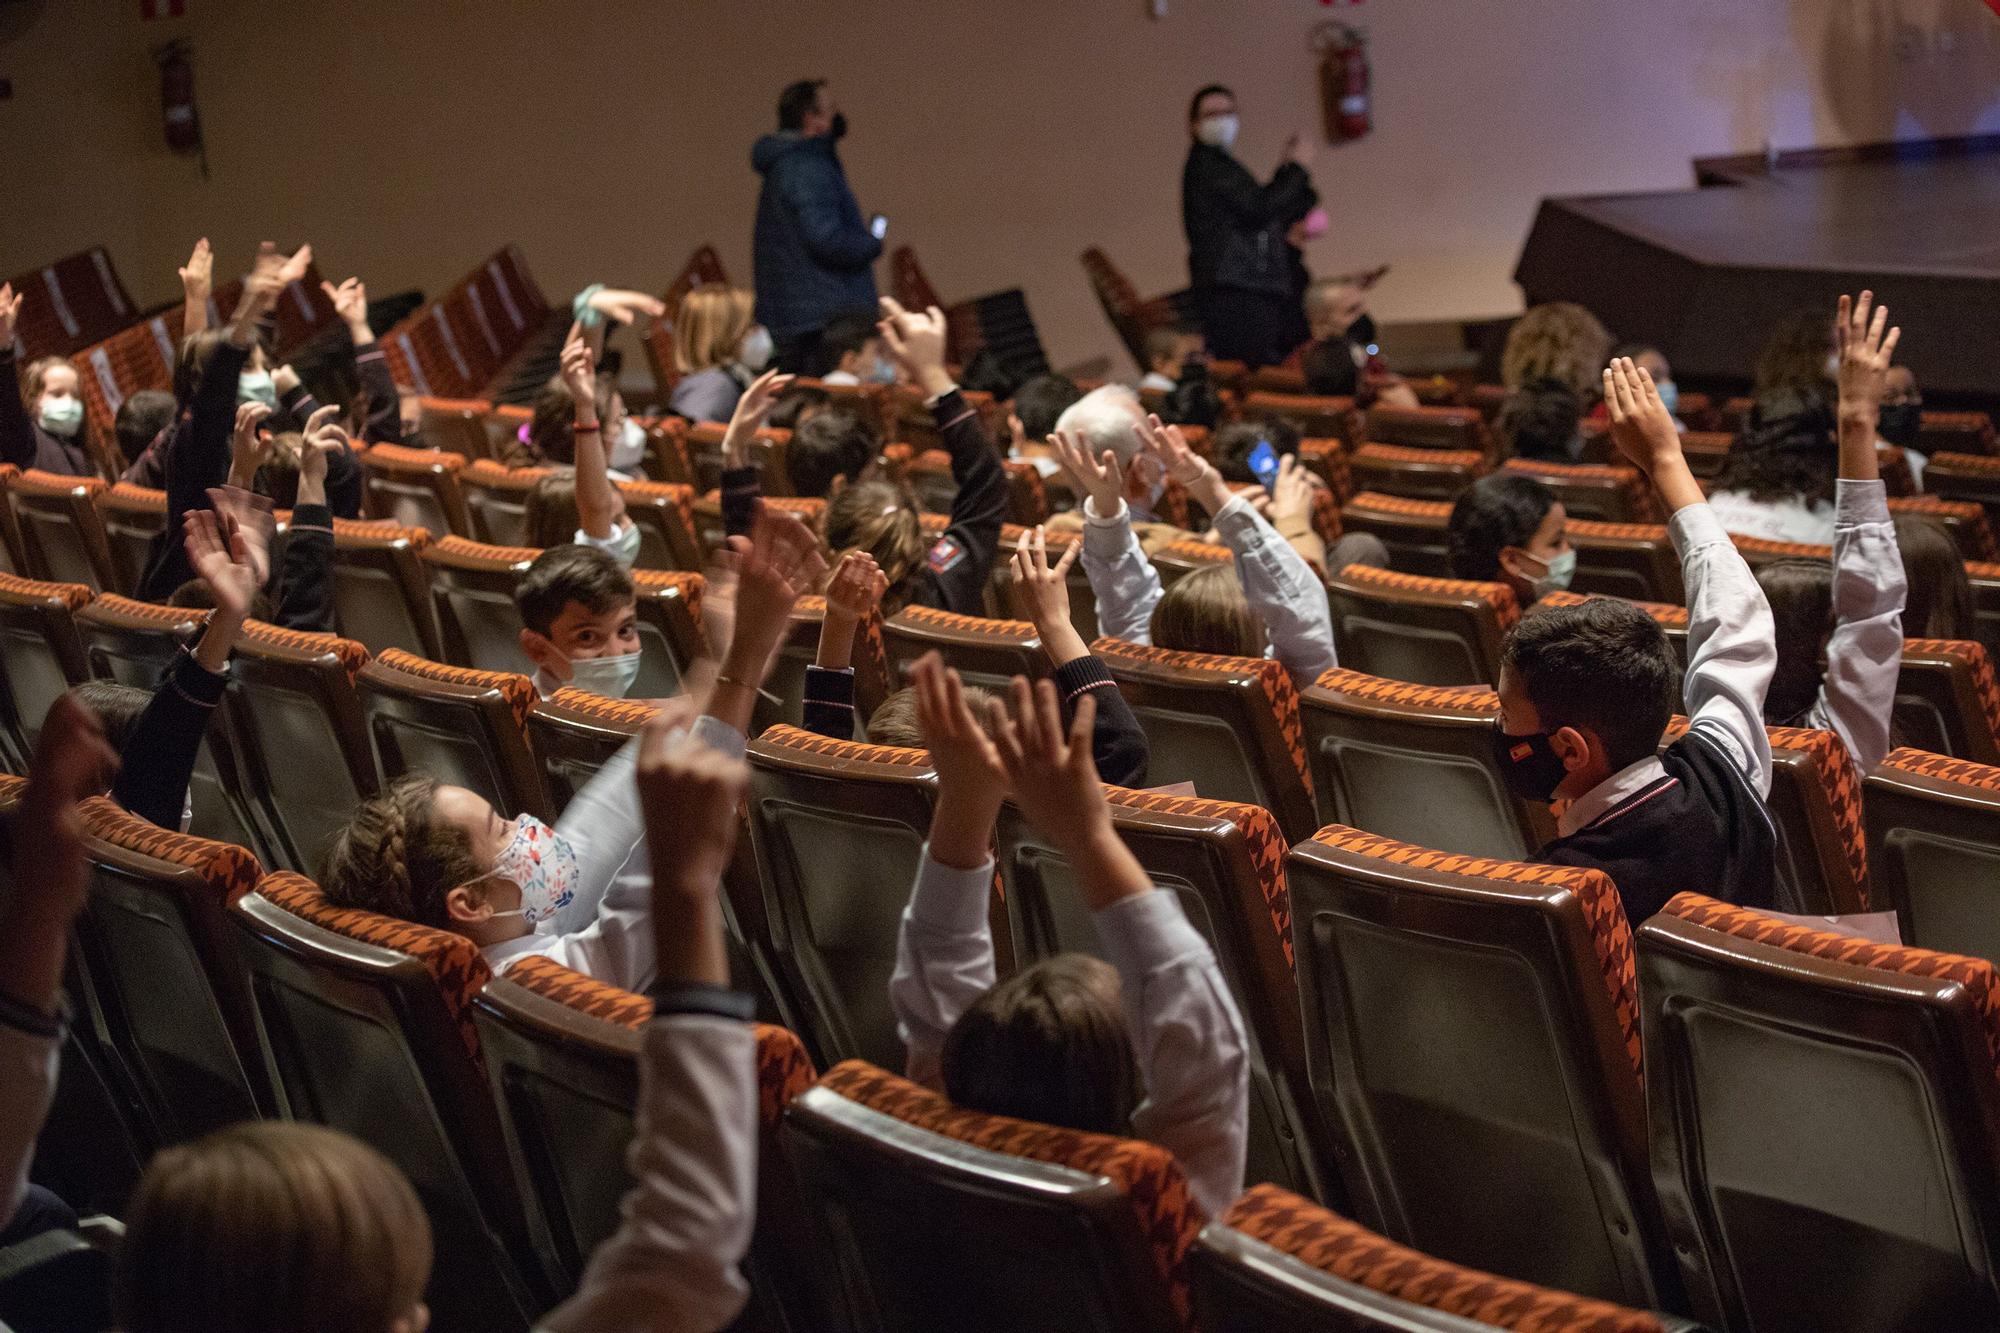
(1857, 502)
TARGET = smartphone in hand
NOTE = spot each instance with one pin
(879, 225)
(1263, 462)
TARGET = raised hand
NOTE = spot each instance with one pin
(1168, 446)
(774, 564)
(624, 307)
(251, 517)
(350, 302)
(10, 311)
(1866, 352)
(72, 761)
(971, 781)
(249, 447)
(1040, 593)
(222, 561)
(1644, 432)
(1049, 768)
(1291, 497)
(753, 409)
(198, 274)
(916, 341)
(291, 270)
(579, 374)
(323, 434)
(1097, 476)
(857, 586)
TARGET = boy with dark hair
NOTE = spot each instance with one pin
(852, 351)
(142, 419)
(1167, 349)
(1509, 528)
(1586, 693)
(832, 448)
(579, 621)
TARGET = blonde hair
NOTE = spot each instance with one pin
(1206, 612)
(272, 1224)
(1560, 341)
(710, 323)
(876, 517)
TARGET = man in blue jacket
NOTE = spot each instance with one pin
(814, 251)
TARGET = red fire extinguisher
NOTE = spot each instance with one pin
(1343, 81)
(177, 107)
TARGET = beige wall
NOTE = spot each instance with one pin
(608, 137)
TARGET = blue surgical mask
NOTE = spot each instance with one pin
(611, 677)
(1557, 572)
(627, 449)
(254, 386)
(755, 351)
(1670, 396)
(62, 416)
(543, 864)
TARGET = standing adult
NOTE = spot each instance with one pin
(1239, 264)
(814, 251)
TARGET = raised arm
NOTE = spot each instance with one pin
(742, 486)
(71, 761)
(1041, 597)
(197, 285)
(963, 561)
(384, 422)
(673, 1263)
(852, 595)
(1279, 585)
(778, 561)
(17, 428)
(944, 947)
(1126, 585)
(1186, 1032)
(305, 586)
(1864, 654)
(600, 509)
(1732, 641)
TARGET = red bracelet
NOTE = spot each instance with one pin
(581, 429)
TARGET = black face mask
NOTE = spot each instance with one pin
(1362, 331)
(1900, 422)
(1530, 764)
(839, 128)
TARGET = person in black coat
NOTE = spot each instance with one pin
(1239, 265)
(812, 251)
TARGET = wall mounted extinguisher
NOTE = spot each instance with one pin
(177, 109)
(1343, 81)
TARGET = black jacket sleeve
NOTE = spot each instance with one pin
(829, 703)
(1287, 196)
(197, 457)
(742, 487)
(305, 599)
(17, 428)
(295, 408)
(158, 759)
(1117, 742)
(385, 408)
(962, 559)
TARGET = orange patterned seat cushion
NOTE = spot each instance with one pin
(1943, 768)
(452, 960)
(1192, 552)
(1261, 835)
(1329, 1242)
(1146, 1172)
(1603, 911)
(1763, 546)
(1976, 975)
(1437, 512)
(1467, 459)
(518, 691)
(465, 549)
(378, 531)
(1842, 783)
(72, 595)
(787, 737)
(130, 611)
(681, 497)
(1968, 517)
(1272, 678)
(1977, 665)
(691, 585)
(34, 481)
(624, 714)
(352, 656)
(1666, 614)
(125, 495)
(484, 473)
(928, 617)
(1496, 595)
(398, 458)
(784, 1070)
(1456, 698)
(224, 867)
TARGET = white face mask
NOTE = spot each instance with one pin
(1218, 131)
(755, 351)
(255, 386)
(543, 865)
(628, 448)
(611, 677)
(62, 416)
(1557, 572)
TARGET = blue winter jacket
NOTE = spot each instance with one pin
(813, 250)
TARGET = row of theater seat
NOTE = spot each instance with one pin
(1438, 1040)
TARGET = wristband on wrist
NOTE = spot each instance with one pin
(584, 428)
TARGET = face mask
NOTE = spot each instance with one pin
(1530, 764)
(608, 676)
(62, 416)
(882, 372)
(754, 353)
(839, 128)
(1557, 571)
(543, 864)
(628, 448)
(1899, 423)
(1670, 395)
(254, 386)
(1217, 131)
(1833, 365)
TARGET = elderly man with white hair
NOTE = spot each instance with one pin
(1119, 461)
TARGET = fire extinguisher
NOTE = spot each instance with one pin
(1343, 81)
(177, 108)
